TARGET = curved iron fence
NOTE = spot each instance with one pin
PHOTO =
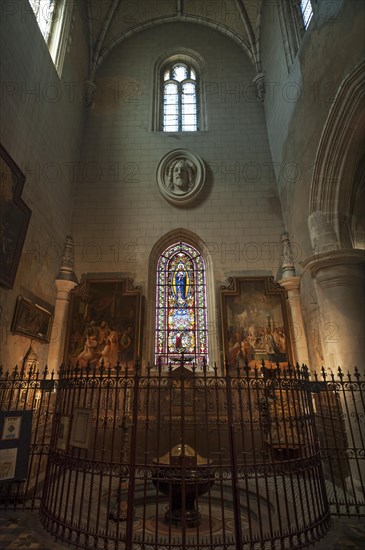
(185, 458)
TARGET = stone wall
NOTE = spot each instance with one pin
(92, 173)
(41, 124)
(119, 212)
(299, 98)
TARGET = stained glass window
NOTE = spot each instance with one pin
(180, 104)
(181, 312)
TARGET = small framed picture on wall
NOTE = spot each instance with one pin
(32, 320)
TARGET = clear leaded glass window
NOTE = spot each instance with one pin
(44, 11)
(180, 104)
(54, 18)
(306, 11)
(181, 312)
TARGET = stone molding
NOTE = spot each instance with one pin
(290, 283)
(329, 191)
(287, 258)
(332, 268)
(259, 82)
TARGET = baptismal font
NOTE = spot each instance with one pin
(183, 475)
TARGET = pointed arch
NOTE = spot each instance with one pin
(243, 42)
(339, 152)
(170, 57)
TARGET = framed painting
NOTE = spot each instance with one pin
(104, 323)
(255, 323)
(32, 320)
(14, 218)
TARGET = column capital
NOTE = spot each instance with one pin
(333, 267)
(64, 285)
(66, 272)
(287, 257)
(290, 283)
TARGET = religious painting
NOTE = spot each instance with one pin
(14, 218)
(255, 323)
(104, 324)
(32, 320)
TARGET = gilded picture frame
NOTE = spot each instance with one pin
(255, 327)
(105, 323)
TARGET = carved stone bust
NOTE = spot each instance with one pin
(180, 176)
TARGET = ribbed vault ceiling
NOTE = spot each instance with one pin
(112, 21)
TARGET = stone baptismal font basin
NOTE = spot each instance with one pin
(182, 475)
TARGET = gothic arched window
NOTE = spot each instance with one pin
(54, 21)
(180, 98)
(306, 11)
(181, 311)
(44, 10)
(295, 17)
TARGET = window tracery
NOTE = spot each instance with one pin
(180, 100)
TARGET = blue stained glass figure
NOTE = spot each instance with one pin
(180, 282)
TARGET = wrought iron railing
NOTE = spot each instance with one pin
(32, 393)
(187, 458)
(339, 402)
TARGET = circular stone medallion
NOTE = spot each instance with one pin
(180, 176)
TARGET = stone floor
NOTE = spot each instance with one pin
(22, 531)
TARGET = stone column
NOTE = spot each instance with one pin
(340, 277)
(300, 348)
(340, 283)
(65, 281)
(291, 283)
